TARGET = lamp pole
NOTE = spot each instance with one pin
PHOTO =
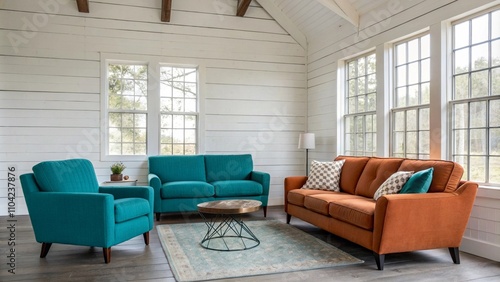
(307, 141)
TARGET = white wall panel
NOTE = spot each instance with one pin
(253, 80)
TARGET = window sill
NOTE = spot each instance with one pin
(491, 192)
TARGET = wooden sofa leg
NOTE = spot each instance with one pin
(455, 254)
(158, 216)
(288, 218)
(146, 238)
(379, 259)
(107, 254)
(45, 249)
(265, 211)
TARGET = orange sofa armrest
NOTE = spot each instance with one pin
(408, 222)
(291, 183)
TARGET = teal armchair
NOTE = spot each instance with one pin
(67, 206)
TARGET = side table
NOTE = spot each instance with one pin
(130, 182)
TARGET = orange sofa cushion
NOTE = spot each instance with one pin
(297, 196)
(320, 202)
(358, 211)
(351, 171)
(446, 175)
(376, 171)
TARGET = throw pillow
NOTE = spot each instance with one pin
(419, 182)
(324, 176)
(393, 184)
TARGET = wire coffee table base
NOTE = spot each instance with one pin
(227, 233)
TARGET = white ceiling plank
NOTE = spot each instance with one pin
(284, 21)
(342, 8)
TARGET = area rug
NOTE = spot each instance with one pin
(283, 248)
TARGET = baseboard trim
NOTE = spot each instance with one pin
(480, 248)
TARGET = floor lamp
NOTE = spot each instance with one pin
(307, 141)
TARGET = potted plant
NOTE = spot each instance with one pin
(117, 169)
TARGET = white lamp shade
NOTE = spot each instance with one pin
(307, 141)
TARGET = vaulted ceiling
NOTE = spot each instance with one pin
(303, 19)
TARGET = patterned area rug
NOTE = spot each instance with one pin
(283, 248)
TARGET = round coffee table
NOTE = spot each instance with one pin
(227, 232)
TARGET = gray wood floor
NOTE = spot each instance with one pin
(133, 261)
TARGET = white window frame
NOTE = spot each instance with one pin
(153, 119)
(467, 101)
(405, 109)
(344, 77)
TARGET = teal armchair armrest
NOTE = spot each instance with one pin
(120, 192)
(263, 178)
(73, 218)
(155, 182)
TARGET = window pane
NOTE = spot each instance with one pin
(461, 86)
(495, 24)
(494, 116)
(411, 142)
(461, 139)
(479, 57)
(478, 141)
(401, 97)
(479, 84)
(478, 111)
(495, 53)
(425, 70)
(413, 50)
(411, 120)
(461, 35)
(495, 141)
(424, 140)
(399, 142)
(425, 89)
(461, 116)
(423, 119)
(413, 95)
(495, 81)
(399, 121)
(401, 54)
(461, 60)
(477, 168)
(494, 170)
(425, 46)
(401, 76)
(480, 29)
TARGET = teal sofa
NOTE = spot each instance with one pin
(180, 183)
(67, 206)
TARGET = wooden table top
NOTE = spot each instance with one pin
(229, 206)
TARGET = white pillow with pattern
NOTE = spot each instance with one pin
(324, 176)
(393, 184)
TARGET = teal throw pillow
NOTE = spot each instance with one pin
(419, 182)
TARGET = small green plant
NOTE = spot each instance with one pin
(118, 168)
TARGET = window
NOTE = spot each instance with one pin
(410, 112)
(475, 101)
(161, 119)
(360, 106)
(127, 109)
(178, 103)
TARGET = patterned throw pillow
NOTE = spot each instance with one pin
(324, 176)
(393, 184)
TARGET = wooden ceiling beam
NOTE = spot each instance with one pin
(242, 7)
(83, 6)
(344, 9)
(166, 10)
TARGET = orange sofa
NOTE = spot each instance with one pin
(394, 223)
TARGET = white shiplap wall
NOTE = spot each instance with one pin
(388, 22)
(253, 73)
